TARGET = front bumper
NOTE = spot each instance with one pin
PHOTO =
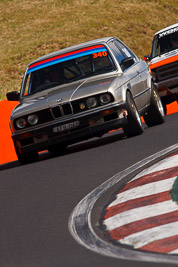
(94, 123)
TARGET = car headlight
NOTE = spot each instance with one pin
(153, 74)
(92, 102)
(105, 98)
(32, 119)
(21, 123)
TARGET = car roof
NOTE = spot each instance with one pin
(167, 28)
(72, 48)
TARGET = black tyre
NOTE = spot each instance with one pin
(164, 107)
(134, 125)
(25, 158)
(58, 149)
(155, 114)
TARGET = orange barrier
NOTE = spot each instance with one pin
(7, 152)
(172, 108)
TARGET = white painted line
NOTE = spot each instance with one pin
(162, 165)
(145, 237)
(140, 214)
(174, 251)
(144, 190)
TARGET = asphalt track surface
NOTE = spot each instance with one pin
(36, 200)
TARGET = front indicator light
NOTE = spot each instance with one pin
(32, 119)
(21, 123)
(108, 111)
(82, 106)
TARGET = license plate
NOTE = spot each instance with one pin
(66, 127)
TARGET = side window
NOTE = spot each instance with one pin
(117, 53)
(28, 83)
(127, 52)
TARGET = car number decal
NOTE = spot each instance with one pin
(68, 56)
(100, 54)
(66, 127)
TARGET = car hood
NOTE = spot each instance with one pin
(62, 94)
(164, 59)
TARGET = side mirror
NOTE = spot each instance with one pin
(147, 58)
(13, 96)
(127, 62)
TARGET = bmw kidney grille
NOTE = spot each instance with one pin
(62, 110)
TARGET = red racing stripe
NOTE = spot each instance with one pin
(165, 245)
(151, 178)
(65, 55)
(174, 154)
(137, 226)
(136, 203)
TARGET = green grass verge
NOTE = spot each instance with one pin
(30, 29)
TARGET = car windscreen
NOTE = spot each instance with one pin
(165, 42)
(66, 68)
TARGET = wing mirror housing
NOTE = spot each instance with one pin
(13, 96)
(147, 58)
(127, 62)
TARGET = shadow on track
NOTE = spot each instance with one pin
(111, 137)
(97, 142)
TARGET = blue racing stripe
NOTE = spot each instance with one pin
(66, 58)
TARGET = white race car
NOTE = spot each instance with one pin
(163, 63)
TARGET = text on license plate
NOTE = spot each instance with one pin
(66, 127)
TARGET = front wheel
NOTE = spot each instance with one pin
(58, 150)
(134, 125)
(155, 114)
(25, 158)
(164, 106)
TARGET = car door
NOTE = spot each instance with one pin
(139, 79)
(133, 77)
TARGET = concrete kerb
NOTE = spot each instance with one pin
(84, 220)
